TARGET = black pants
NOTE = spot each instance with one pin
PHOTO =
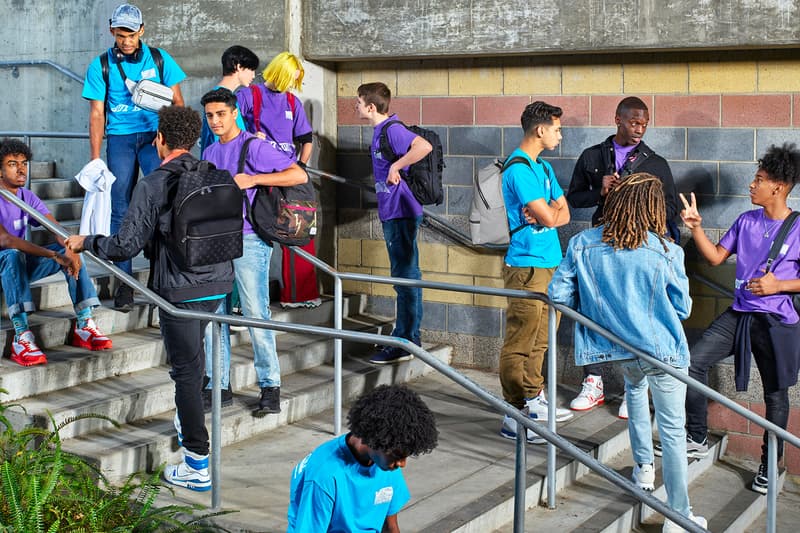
(717, 344)
(183, 340)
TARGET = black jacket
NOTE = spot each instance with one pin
(598, 161)
(148, 219)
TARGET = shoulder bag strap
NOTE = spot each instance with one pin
(383, 141)
(775, 249)
(508, 163)
(256, 92)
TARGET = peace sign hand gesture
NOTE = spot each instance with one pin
(689, 214)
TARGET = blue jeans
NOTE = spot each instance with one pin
(669, 396)
(252, 278)
(18, 270)
(225, 346)
(125, 155)
(401, 243)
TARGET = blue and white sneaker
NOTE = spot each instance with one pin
(390, 355)
(509, 430)
(192, 473)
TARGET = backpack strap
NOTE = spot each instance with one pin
(777, 244)
(384, 145)
(159, 61)
(292, 101)
(513, 161)
(105, 71)
(243, 155)
(256, 107)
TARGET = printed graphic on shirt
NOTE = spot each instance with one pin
(384, 495)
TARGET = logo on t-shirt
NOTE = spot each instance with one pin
(384, 495)
(301, 466)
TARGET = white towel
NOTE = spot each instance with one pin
(96, 180)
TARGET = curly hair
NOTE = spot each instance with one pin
(14, 146)
(782, 163)
(180, 126)
(394, 419)
(633, 207)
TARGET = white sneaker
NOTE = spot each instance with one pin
(644, 476)
(192, 473)
(623, 407)
(591, 394)
(538, 406)
(509, 430)
(672, 527)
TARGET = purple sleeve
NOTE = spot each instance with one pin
(301, 125)
(263, 158)
(400, 139)
(244, 97)
(35, 202)
(728, 241)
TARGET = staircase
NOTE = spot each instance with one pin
(466, 484)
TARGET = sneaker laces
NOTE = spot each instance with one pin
(28, 343)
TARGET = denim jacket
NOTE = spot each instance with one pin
(640, 295)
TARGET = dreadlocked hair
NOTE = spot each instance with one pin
(632, 208)
(394, 419)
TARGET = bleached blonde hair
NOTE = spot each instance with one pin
(280, 72)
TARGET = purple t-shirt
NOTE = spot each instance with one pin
(276, 116)
(262, 158)
(621, 154)
(746, 239)
(394, 201)
(14, 219)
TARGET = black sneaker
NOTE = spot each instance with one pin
(123, 299)
(390, 355)
(227, 399)
(270, 402)
(694, 450)
(761, 480)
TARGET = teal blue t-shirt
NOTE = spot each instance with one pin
(534, 245)
(331, 491)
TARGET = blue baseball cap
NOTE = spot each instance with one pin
(126, 16)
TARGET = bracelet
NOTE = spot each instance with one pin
(301, 165)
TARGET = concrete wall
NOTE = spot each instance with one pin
(348, 29)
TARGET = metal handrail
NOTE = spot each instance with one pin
(36, 62)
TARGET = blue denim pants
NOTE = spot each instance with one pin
(669, 397)
(225, 345)
(125, 155)
(401, 243)
(18, 270)
(252, 278)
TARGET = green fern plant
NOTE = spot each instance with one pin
(47, 490)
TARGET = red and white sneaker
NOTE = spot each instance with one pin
(25, 352)
(591, 394)
(90, 338)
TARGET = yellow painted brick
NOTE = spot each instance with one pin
(704, 310)
(387, 76)
(778, 76)
(591, 79)
(358, 287)
(435, 295)
(490, 301)
(659, 78)
(382, 289)
(347, 83)
(532, 79)
(468, 81)
(464, 261)
(422, 82)
(349, 252)
(722, 77)
(374, 254)
(432, 257)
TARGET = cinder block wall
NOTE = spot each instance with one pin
(711, 116)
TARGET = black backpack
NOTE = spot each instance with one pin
(424, 177)
(286, 215)
(206, 220)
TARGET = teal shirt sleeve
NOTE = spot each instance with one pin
(314, 510)
(401, 494)
(94, 87)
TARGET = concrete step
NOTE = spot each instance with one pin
(43, 237)
(147, 443)
(133, 396)
(42, 170)
(52, 188)
(65, 208)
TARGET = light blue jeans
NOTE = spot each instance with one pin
(225, 346)
(18, 270)
(252, 278)
(669, 398)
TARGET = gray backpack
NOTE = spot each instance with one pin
(488, 223)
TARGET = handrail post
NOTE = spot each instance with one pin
(520, 479)
(772, 481)
(216, 417)
(337, 356)
(552, 395)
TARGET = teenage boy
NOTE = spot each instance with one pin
(398, 210)
(762, 318)
(23, 262)
(354, 482)
(534, 202)
(266, 166)
(598, 170)
(129, 129)
(194, 289)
